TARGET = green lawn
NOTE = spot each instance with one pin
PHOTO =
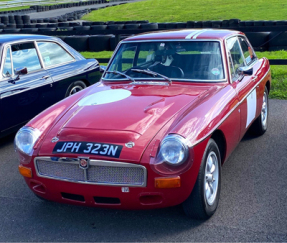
(279, 73)
(10, 9)
(185, 10)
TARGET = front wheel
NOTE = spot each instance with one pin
(75, 87)
(203, 200)
(259, 126)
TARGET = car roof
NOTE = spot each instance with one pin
(217, 34)
(12, 38)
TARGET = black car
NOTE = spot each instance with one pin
(36, 72)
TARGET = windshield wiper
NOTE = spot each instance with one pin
(123, 74)
(152, 73)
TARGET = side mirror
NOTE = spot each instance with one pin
(103, 69)
(22, 70)
(243, 71)
(18, 71)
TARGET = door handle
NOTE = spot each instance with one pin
(254, 78)
(45, 77)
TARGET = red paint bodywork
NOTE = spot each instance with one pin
(193, 110)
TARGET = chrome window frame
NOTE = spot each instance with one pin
(9, 43)
(249, 45)
(3, 63)
(56, 65)
(91, 162)
(227, 53)
(222, 52)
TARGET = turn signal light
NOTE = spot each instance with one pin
(24, 171)
(170, 182)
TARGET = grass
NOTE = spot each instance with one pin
(279, 73)
(185, 10)
(16, 8)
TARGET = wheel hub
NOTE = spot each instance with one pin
(211, 178)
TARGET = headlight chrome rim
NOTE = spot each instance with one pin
(34, 134)
(176, 138)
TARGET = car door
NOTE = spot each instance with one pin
(245, 85)
(23, 96)
(61, 65)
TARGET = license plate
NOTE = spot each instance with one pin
(103, 149)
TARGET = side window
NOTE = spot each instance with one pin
(247, 51)
(53, 54)
(7, 69)
(236, 58)
(25, 55)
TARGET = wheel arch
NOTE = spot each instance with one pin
(220, 140)
(87, 83)
(268, 85)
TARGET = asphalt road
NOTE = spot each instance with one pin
(253, 204)
(62, 11)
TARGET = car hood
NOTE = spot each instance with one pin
(119, 114)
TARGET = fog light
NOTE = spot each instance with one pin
(171, 182)
(24, 171)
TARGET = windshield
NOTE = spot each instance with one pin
(188, 60)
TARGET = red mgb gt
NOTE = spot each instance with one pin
(169, 110)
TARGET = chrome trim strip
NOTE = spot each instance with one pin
(39, 54)
(95, 163)
(227, 115)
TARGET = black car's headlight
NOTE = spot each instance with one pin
(26, 138)
(173, 150)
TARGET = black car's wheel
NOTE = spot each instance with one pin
(204, 198)
(75, 87)
(259, 126)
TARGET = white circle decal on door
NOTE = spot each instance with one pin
(105, 97)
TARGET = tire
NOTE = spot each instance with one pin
(99, 43)
(98, 27)
(132, 26)
(29, 30)
(75, 87)
(260, 125)
(181, 25)
(47, 29)
(170, 25)
(63, 24)
(198, 24)
(81, 28)
(149, 26)
(11, 30)
(79, 43)
(197, 205)
(115, 26)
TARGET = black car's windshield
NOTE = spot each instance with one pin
(189, 60)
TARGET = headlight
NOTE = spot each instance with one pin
(173, 150)
(26, 138)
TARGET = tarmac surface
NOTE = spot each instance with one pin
(252, 207)
(62, 11)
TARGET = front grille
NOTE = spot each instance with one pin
(99, 172)
(116, 175)
(65, 171)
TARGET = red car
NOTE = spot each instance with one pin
(169, 110)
